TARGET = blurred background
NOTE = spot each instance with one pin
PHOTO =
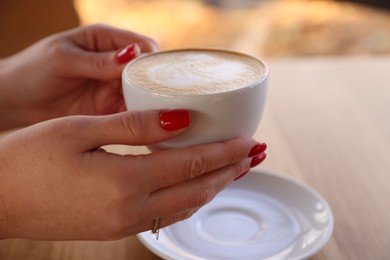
(265, 28)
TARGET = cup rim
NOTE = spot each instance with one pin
(262, 78)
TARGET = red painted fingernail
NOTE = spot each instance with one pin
(258, 159)
(128, 53)
(174, 119)
(257, 149)
(242, 175)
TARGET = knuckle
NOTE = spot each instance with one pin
(99, 62)
(92, 29)
(54, 47)
(239, 168)
(203, 197)
(134, 123)
(118, 194)
(114, 230)
(235, 150)
(118, 224)
(231, 155)
(186, 215)
(180, 217)
(197, 165)
(98, 26)
(117, 228)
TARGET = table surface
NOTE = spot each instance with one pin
(326, 123)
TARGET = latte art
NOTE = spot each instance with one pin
(224, 91)
(194, 72)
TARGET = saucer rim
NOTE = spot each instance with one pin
(167, 254)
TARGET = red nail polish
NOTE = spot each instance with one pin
(258, 159)
(128, 53)
(257, 149)
(174, 119)
(242, 175)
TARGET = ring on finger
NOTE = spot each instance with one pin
(156, 230)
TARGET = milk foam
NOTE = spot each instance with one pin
(194, 72)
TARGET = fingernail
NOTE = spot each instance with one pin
(258, 159)
(242, 175)
(174, 119)
(257, 149)
(128, 53)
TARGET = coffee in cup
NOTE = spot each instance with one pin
(224, 91)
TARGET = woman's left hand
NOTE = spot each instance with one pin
(74, 72)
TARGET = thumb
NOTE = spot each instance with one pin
(133, 127)
(107, 65)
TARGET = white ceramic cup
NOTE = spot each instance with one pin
(214, 116)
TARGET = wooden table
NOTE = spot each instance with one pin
(327, 123)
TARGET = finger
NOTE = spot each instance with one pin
(102, 65)
(100, 37)
(104, 50)
(172, 219)
(194, 193)
(129, 128)
(178, 165)
(147, 223)
(167, 220)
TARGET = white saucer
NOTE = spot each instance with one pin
(260, 216)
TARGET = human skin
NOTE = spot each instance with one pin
(56, 180)
(73, 72)
(57, 184)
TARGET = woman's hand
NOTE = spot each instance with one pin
(74, 72)
(56, 183)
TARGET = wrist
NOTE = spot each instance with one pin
(3, 221)
(10, 111)
(4, 225)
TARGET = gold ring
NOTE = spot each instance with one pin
(156, 230)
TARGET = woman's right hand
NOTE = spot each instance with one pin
(56, 183)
